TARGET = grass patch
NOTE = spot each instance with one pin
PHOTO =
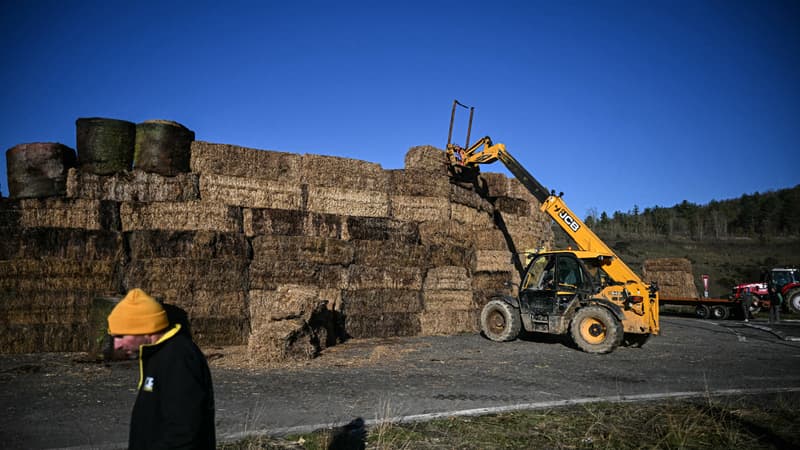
(767, 421)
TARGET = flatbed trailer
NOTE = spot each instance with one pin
(714, 308)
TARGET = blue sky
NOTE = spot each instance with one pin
(615, 103)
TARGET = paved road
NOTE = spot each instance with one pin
(49, 401)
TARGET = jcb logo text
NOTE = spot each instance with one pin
(571, 223)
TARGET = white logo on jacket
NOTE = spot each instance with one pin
(149, 383)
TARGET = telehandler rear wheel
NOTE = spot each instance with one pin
(595, 330)
(500, 321)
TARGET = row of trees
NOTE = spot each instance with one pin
(774, 213)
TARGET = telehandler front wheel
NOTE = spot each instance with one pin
(596, 330)
(500, 321)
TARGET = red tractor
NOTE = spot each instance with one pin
(787, 282)
(760, 295)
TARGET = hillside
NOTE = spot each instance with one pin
(731, 241)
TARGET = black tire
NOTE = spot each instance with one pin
(793, 300)
(500, 321)
(719, 312)
(702, 312)
(595, 329)
(635, 340)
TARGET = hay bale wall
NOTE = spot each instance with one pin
(282, 252)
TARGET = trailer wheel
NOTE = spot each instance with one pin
(595, 330)
(500, 321)
(793, 298)
(719, 312)
(702, 312)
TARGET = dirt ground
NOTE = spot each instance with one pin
(64, 401)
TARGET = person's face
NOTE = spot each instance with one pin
(127, 346)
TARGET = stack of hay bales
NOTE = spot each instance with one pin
(287, 253)
(673, 275)
(298, 258)
(56, 255)
(199, 270)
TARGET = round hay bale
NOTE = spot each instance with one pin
(163, 147)
(38, 169)
(105, 146)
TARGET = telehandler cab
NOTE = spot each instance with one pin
(589, 293)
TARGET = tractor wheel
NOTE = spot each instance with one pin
(702, 312)
(500, 321)
(635, 340)
(793, 299)
(595, 330)
(719, 312)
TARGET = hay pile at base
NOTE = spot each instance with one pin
(673, 275)
(292, 322)
(283, 252)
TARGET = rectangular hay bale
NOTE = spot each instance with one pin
(493, 261)
(66, 243)
(268, 274)
(361, 302)
(382, 325)
(447, 278)
(419, 209)
(348, 202)
(231, 160)
(438, 323)
(419, 182)
(133, 186)
(66, 213)
(336, 172)
(186, 216)
(389, 254)
(302, 248)
(251, 192)
(292, 223)
(447, 300)
(58, 273)
(369, 277)
(183, 274)
(144, 244)
(380, 229)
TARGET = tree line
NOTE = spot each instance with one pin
(769, 214)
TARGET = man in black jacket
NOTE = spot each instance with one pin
(175, 404)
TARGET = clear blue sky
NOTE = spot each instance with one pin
(616, 103)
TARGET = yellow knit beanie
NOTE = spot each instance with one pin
(137, 313)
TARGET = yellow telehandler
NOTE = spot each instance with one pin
(589, 293)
